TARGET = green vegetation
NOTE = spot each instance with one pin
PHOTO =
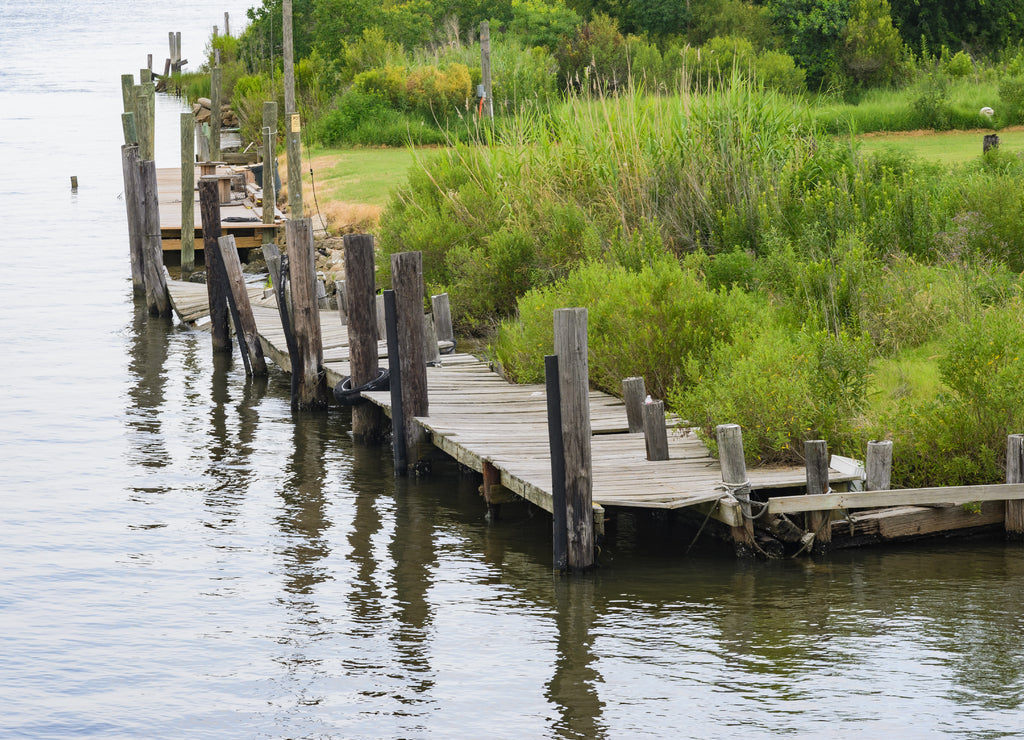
(753, 268)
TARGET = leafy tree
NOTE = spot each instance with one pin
(978, 25)
(539, 23)
(813, 31)
(871, 45)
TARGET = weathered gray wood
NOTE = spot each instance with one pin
(734, 476)
(130, 172)
(149, 63)
(634, 393)
(407, 282)
(241, 309)
(485, 68)
(188, 196)
(900, 497)
(269, 167)
(177, 51)
(215, 103)
(227, 26)
(655, 432)
(878, 465)
(432, 352)
(367, 419)
(381, 324)
(128, 93)
(816, 460)
(157, 298)
(570, 333)
(341, 296)
(442, 312)
(312, 385)
(272, 255)
(216, 279)
(1014, 515)
(293, 125)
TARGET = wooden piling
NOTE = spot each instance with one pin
(131, 134)
(227, 26)
(878, 465)
(442, 312)
(570, 329)
(241, 309)
(130, 172)
(381, 323)
(559, 516)
(734, 476)
(368, 423)
(655, 432)
(431, 352)
(312, 383)
(269, 186)
(177, 51)
(188, 194)
(128, 93)
(341, 296)
(633, 394)
(395, 367)
(407, 282)
(485, 69)
(1014, 516)
(149, 62)
(216, 279)
(145, 119)
(819, 522)
(74, 183)
(158, 300)
(215, 103)
(292, 123)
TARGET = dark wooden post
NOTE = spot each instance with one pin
(241, 309)
(395, 365)
(633, 394)
(655, 433)
(485, 68)
(442, 317)
(216, 280)
(559, 519)
(312, 383)
(991, 141)
(188, 194)
(570, 326)
(367, 418)
(1014, 517)
(734, 476)
(130, 171)
(878, 466)
(291, 115)
(407, 281)
(227, 27)
(157, 298)
(819, 522)
(215, 103)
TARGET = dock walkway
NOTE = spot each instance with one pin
(479, 418)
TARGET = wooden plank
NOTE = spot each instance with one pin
(903, 497)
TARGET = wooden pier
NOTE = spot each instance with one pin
(241, 208)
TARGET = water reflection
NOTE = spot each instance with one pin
(147, 357)
(573, 687)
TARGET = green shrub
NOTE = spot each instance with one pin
(959, 65)
(664, 313)
(782, 387)
(1011, 94)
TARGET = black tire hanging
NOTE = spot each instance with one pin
(346, 395)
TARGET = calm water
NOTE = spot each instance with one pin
(180, 556)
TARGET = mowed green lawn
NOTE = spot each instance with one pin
(947, 147)
(364, 175)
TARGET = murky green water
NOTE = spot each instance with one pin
(181, 556)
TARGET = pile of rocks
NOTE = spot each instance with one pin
(330, 259)
(202, 111)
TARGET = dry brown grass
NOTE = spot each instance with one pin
(341, 216)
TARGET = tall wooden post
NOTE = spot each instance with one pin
(485, 68)
(188, 194)
(308, 365)
(227, 26)
(145, 110)
(570, 327)
(269, 167)
(559, 516)
(291, 115)
(241, 308)
(395, 365)
(216, 279)
(819, 522)
(367, 418)
(177, 51)
(407, 281)
(1014, 517)
(633, 394)
(734, 476)
(157, 298)
(215, 103)
(130, 171)
(131, 134)
(878, 466)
